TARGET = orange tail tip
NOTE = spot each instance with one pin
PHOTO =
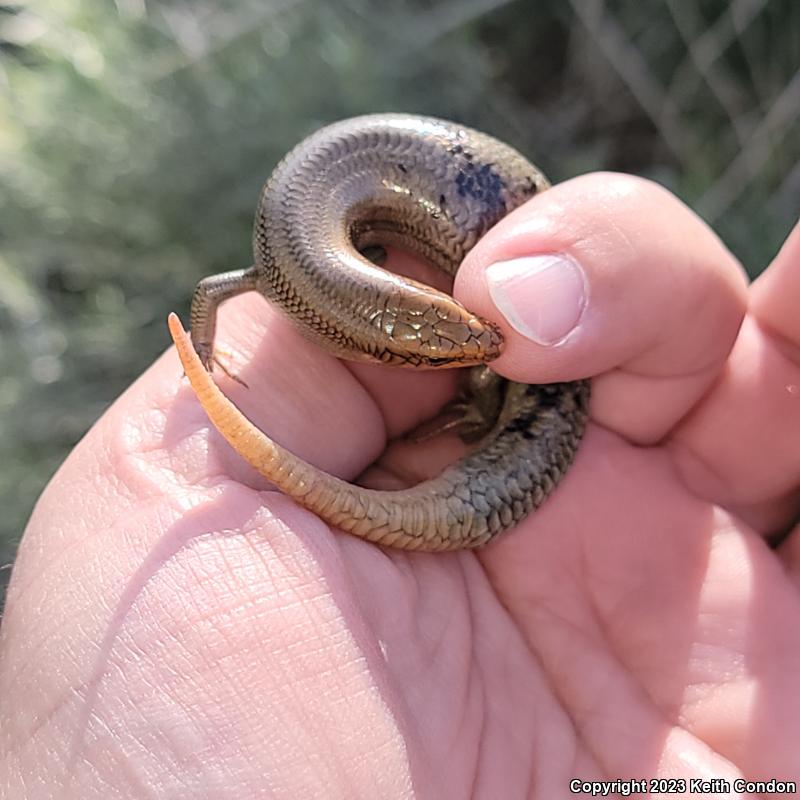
(217, 406)
(189, 359)
(252, 444)
(176, 330)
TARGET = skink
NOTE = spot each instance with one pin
(432, 188)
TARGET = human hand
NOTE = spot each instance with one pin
(175, 629)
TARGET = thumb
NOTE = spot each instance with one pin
(610, 276)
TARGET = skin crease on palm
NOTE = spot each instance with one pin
(176, 629)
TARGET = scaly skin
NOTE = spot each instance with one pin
(433, 188)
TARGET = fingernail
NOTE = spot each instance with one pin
(542, 297)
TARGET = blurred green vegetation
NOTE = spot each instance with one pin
(134, 137)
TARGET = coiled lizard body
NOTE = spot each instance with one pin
(433, 188)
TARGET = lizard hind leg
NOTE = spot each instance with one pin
(472, 414)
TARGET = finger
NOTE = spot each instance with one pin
(743, 442)
(610, 275)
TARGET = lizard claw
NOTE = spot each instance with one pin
(209, 357)
(205, 353)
